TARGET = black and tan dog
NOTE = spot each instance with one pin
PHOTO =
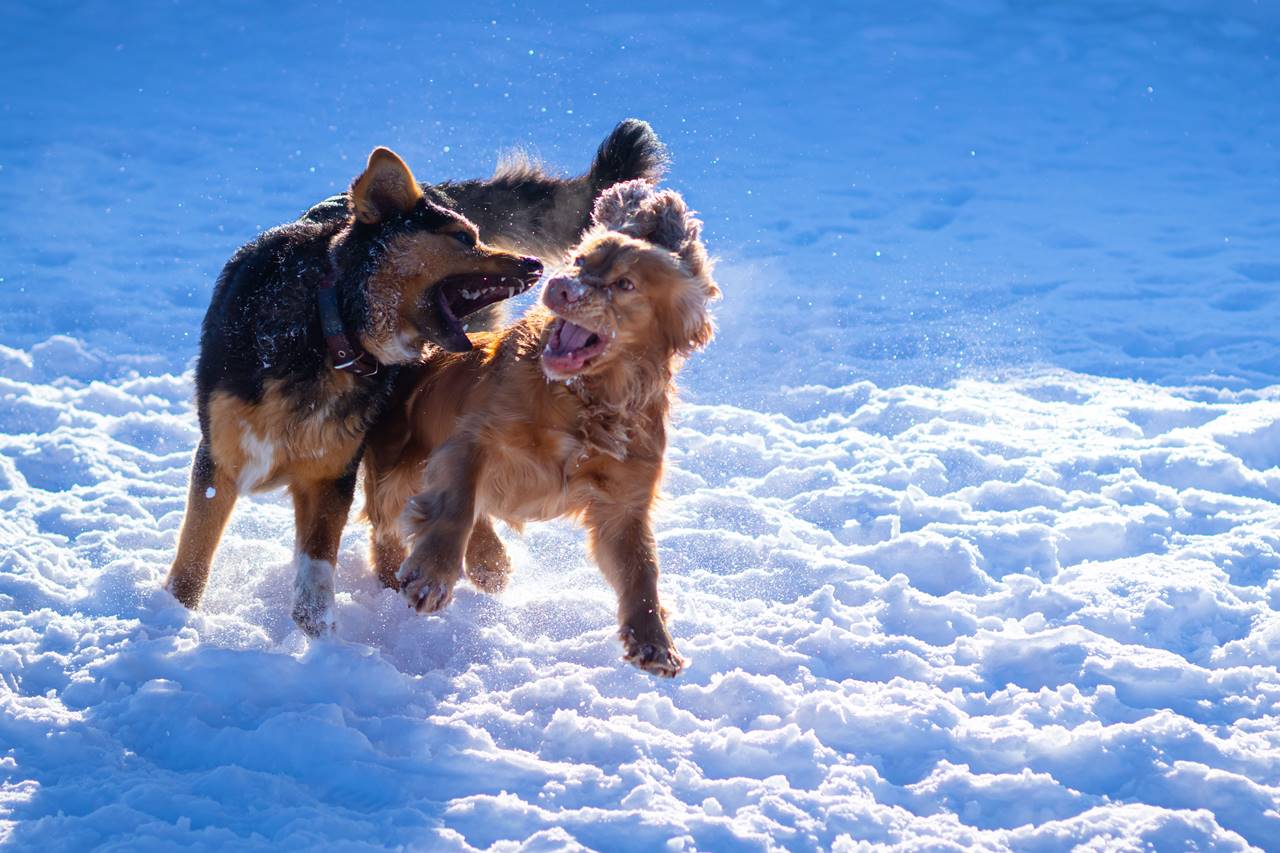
(309, 322)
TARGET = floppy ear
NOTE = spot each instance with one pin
(668, 222)
(664, 218)
(699, 331)
(636, 209)
(386, 188)
(616, 205)
(697, 327)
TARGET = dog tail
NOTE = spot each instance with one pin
(523, 208)
(631, 152)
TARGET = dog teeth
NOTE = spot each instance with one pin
(511, 291)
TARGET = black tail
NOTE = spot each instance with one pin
(525, 209)
(632, 151)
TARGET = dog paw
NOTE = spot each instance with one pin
(316, 623)
(313, 602)
(423, 591)
(488, 565)
(388, 578)
(488, 578)
(184, 589)
(657, 657)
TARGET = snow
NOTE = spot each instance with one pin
(972, 518)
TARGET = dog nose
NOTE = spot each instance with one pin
(561, 292)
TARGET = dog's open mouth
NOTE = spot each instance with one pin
(458, 296)
(570, 349)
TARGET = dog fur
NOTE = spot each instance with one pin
(564, 413)
(274, 408)
(523, 209)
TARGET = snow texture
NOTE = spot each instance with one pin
(972, 518)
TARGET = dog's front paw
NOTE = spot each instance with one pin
(315, 621)
(654, 654)
(425, 590)
(313, 602)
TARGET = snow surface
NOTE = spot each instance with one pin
(972, 528)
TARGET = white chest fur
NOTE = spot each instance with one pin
(259, 459)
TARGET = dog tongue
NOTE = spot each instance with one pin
(450, 335)
(569, 349)
(572, 337)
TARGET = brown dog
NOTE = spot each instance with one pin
(562, 413)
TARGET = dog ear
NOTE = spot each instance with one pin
(659, 217)
(386, 188)
(665, 219)
(693, 327)
(689, 324)
(701, 334)
(617, 205)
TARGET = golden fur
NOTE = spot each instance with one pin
(493, 434)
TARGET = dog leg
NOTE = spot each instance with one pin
(438, 524)
(623, 544)
(210, 499)
(488, 566)
(386, 550)
(320, 510)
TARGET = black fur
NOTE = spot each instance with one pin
(632, 151)
(263, 321)
(525, 208)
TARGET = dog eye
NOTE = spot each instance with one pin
(466, 238)
(625, 284)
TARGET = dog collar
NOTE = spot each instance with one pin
(345, 355)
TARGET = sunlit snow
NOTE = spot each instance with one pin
(971, 527)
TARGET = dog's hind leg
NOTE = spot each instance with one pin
(387, 552)
(210, 499)
(320, 510)
(386, 490)
(488, 566)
